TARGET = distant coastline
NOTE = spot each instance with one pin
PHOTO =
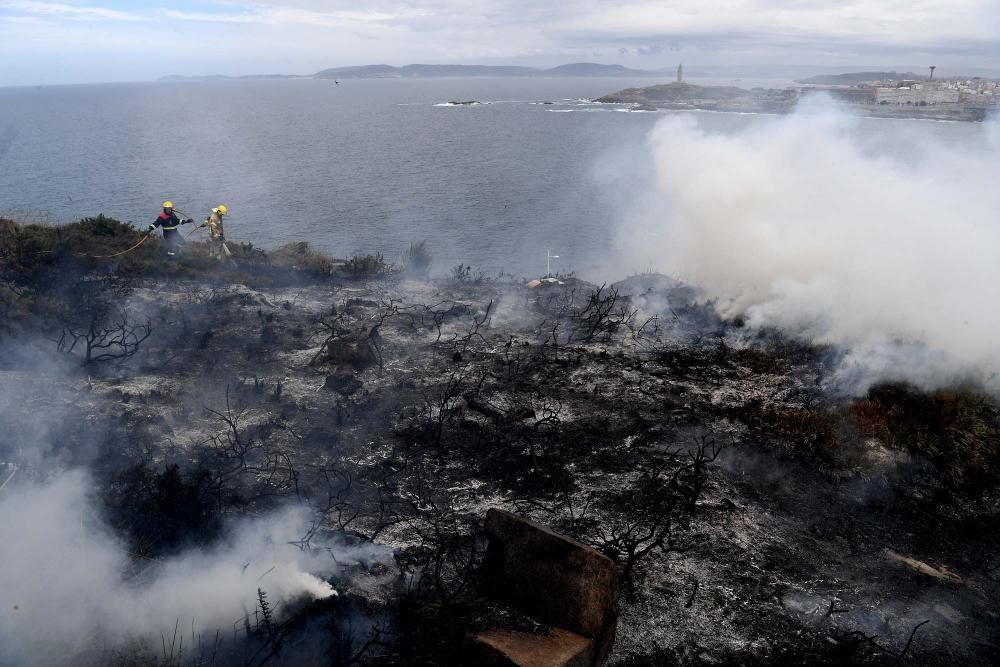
(439, 71)
(861, 98)
(861, 92)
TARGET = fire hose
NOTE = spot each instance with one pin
(141, 241)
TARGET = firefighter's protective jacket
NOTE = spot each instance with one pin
(214, 224)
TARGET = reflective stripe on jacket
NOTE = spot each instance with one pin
(167, 222)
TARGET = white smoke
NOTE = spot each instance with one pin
(879, 236)
(64, 592)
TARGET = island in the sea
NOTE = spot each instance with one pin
(681, 95)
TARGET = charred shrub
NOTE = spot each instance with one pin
(760, 361)
(441, 575)
(828, 437)
(419, 259)
(364, 501)
(440, 411)
(248, 465)
(158, 511)
(522, 445)
(45, 256)
(247, 254)
(92, 318)
(461, 273)
(647, 516)
(958, 430)
(441, 567)
(367, 266)
(605, 312)
(955, 432)
(778, 345)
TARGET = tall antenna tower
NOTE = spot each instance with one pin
(933, 67)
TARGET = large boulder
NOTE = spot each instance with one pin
(556, 580)
(503, 647)
(355, 353)
(343, 382)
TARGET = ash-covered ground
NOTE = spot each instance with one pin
(756, 515)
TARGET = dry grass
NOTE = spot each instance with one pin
(956, 429)
(301, 257)
(956, 432)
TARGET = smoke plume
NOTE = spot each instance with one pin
(66, 596)
(877, 236)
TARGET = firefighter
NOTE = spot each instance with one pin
(217, 238)
(169, 222)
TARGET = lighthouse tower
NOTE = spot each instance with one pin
(680, 73)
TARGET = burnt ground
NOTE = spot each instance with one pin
(756, 516)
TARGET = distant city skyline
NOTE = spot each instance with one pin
(82, 41)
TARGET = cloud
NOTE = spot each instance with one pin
(291, 16)
(301, 36)
(861, 20)
(55, 9)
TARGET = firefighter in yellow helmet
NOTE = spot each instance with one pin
(169, 222)
(216, 233)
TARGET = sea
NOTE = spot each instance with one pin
(354, 167)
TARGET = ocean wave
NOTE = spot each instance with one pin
(731, 113)
(473, 103)
(581, 110)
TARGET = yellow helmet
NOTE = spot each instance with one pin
(222, 209)
(168, 204)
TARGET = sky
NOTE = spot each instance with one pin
(82, 41)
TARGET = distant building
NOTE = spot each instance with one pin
(912, 92)
(680, 73)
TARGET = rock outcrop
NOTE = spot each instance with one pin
(555, 580)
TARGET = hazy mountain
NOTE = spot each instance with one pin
(594, 69)
(414, 71)
(360, 72)
(465, 70)
(417, 70)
